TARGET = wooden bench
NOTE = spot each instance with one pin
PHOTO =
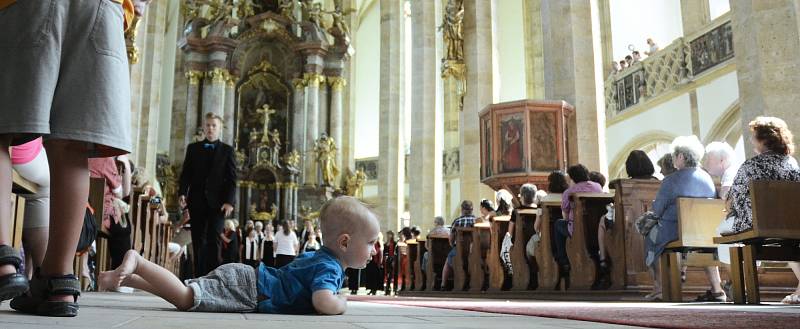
(633, 198)
(96, 200)
(20, 187)
(413, 262)
(775, 236)
(493, 261)
(479, 275)
(419, 272)
(588, 208)
(461, 275)
(523, 231)
(697, 222)
(548, 269)
(438, 247)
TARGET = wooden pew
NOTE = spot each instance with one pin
(478, 273)
(697, 222)
(493, 261)
(775, 236)
(523, 231)
(20, 187)
(413, 250)
(96, 200)
(461, 273)
(419, 272)
(633, 198)
(588, 208)
(438, 248)
(548, 269)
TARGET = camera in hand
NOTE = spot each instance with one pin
(155, 202)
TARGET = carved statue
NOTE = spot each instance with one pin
(221, 19)
(288, 8)
(275, 137)
(453, 27)
(292, 159)
(246, 8)
(354, 185)
(266, 112)
(326, 160)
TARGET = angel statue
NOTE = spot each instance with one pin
(326, 160)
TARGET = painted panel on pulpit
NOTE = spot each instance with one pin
(512, 143)
(487, 147)
(544, 150)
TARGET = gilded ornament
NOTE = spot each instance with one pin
(337, 83)
(218, 75)
(292, 159)
(299, 84)
(194, 76)
(313, 79)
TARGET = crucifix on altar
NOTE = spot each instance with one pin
(266, 112)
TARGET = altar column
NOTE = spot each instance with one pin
(337, 85)
(192, 97)
(391, 161)
(312, 81)
(214, 91)
(299, 123)
(230, 106)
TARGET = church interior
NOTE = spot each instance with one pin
(415, 106)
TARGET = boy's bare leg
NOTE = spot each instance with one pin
(34, 240)
(69, 172)
(5, 199)
(712, 273)
(139, 273)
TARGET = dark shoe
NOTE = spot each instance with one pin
(709, 296)
(37, 302)
(353, 292)
(14, 284)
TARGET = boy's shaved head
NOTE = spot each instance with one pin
(344, 215)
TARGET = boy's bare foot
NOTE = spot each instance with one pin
(111, 280)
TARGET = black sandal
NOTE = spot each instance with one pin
(14, 284)
(37, 300)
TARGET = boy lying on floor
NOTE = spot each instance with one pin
(308, 285)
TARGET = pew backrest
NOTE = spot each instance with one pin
(698, 219)
(96, 197)
(776, 209)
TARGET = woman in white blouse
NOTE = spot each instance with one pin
(286, 245)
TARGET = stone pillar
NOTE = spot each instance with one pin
(607, 47)
(322, 120)
(766, 37)
(695, 14)
(312, 81)
(230, 107)
(214, 91)
(391, 162)
(573, 72)
(336, 121)
(192, 110)
(478, 51)
(299, 123)
(426, 121)
(534, 49)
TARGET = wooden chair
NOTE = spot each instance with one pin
(775, 235)
(438, 248)
(96, 200)
(548, 269)
(523, 231)
(20, 187)
(413, 250)
(697, 222)
(588, 208)
(461, 260)
(478, 273)
(493, 261)
(633, 198)
(419, 273)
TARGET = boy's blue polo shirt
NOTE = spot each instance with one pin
(289, 288)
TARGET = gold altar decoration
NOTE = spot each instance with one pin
(354, 184)
(453, 30)
(325, 150)
(299, 84)
(313, 79)
(130, 41)
(337, 83)
(307, 214)
(218, 75)
(292, 159)
(263, 215)
(195, 76)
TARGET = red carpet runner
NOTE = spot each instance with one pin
(688, 317)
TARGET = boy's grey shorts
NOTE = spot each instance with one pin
(229, 288)
(64, 73)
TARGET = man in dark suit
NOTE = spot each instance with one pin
(207, 191)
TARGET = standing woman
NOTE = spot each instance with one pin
(266, 245)
(389, 269)
(230, 243)
(286, 245)
(374, 275)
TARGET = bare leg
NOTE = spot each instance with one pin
(796, 269)
(654, 272)
(5, 197)
(712, 272)
(34, 240)
(140, 273)
(445, 274)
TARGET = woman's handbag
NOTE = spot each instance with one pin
(645, 223)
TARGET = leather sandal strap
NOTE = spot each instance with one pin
(67, 285)
(10, 256)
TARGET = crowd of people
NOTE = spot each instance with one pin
(634, 57)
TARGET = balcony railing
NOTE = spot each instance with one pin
(671, 67)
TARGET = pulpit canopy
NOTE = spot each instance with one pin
(523, 141)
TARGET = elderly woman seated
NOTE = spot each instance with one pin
(772, 143)
(688, 181)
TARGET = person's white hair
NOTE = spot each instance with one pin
(438, 221)
(721, 149)
(690, 147)
(504, 195)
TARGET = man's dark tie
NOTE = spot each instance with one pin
(209, 146)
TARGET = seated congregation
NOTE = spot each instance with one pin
(645, 233)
